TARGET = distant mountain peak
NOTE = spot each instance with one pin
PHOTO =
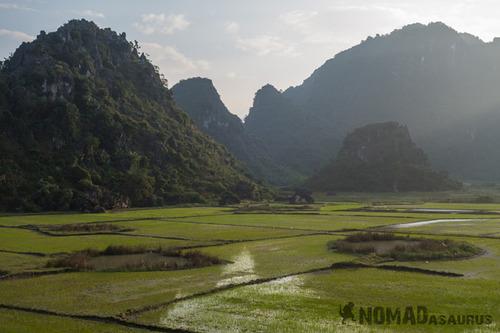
(268, 88)
(199, 98)
(80, 24)
(423, 75)
(265, 95)
(380, 157)
(437, 30)
(430, 27)
(199, 80)
(201, 101)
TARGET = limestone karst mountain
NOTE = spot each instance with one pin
(380, 158)
(200, 99)
(86, 121)
(430, 77)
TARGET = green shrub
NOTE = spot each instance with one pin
(82, 260)
(411, 249)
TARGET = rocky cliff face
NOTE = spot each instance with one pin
(199, 98)
(379, 158)
(279, 124)
(201, 101)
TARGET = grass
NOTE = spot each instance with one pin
(16, 263)
(469, 195)
(299, 303)
(482, 267)
(66, 218)
(12, 239)
(341, 206)
(450, 205)
(114, 292)
(325, 222)
(295, 255)
(310, 303)
(278, 209)
(21, 322)
(204, 232)
(106, 293)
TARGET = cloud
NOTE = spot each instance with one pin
(90, 13)
(298, 19)
(16, 35)
(348, 19)
(400, 13)
(232, 28)
(308, 25)
(173, 63)
(266, 45)
(260, 45)
(161, 23)
(14, 6)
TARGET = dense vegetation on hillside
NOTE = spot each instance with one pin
(201, 101)
(86, 121)
(380, 158)
(278, 123)
(430, 77)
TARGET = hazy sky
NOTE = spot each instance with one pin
(242, 45)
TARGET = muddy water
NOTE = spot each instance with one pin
(241, 270)
(440, 210)
(218, 313)
(139, 261)
(422, 223)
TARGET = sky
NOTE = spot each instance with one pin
(243, 45)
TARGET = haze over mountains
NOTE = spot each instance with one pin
(440, 83)
(86, 120)
(380, 157)
(199, 98)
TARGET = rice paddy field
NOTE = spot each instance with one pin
(275, 271)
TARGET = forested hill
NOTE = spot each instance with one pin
(200, 99)
(86, 121)
(380, 157)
